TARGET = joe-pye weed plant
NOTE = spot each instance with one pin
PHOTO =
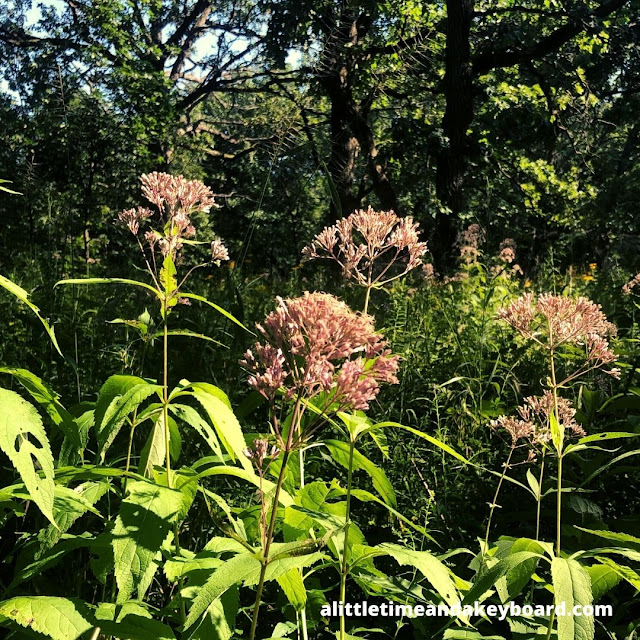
(319, 366)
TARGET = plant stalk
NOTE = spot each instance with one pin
(495, 500)
(345, 548)
(269, 539)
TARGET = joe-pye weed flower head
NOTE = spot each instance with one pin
(315, 347)
(176, 199)
(373, 248)
(553, 322)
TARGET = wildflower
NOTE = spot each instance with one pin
(316, 345)
(367, 244)
(469, 241)
(534, 418)
(218, 251)
(628, 288)
(175, 194)
(537, 410)
(133, 217)
(260, 451)
(517, 429)
(553, 321)
(507, 250)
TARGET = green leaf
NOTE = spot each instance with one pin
(219, 309)
(623, 572)
(340, 454)
(56, 618)
(292, 585)
(118, 411)
(130, 621)
(226, 424)
(191, 417)
(169, 283)
(518, 577)
(154, 452)
(487, 579)
(572, 586)
(68, 506)
(557, 432)
(603, 579)
(396, 425)
(23, 296)
(622, 538)
(6, 189)
(116, 385)
(188, 334)
(23, 440)
(134, 283)
(49, 401)
(435, 571)
(232, 571)
(533, 483)
(144, 523)
(250, 476)
(583, 443)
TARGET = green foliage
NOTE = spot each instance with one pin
(24, 441)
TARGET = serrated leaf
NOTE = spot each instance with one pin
(56, 618)
(488, 578)
(292, 585)
(226, 425)
(603, 579)
(44, 395)
(144, 523)
(23, 440)
(118, 411)
(191, 417)
(154, 452)
(572, 586)
(429, 566)
(340, 454)
(232, 571)
(67, 511)
(23, 296)
(130, 621)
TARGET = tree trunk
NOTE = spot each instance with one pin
(458, 90)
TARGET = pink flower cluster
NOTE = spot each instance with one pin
(631, 285)
(315, 344)
(552, 321)
(533, 423)
(469, 241)
(175, 195)
(368, 243)
(176, 199)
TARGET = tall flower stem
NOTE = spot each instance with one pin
(558, 444)
(272, 520)
(539, 496)
(345, 569)
(167, 437)
(554, 391)
(129, 448)
(267, 545)
(165, 390)
(366, 298)
(494, 503)
(303, 611)
(559, 507)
